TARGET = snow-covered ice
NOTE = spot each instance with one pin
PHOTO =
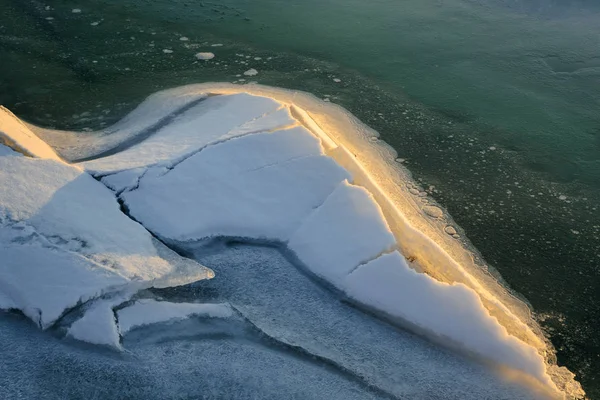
(347, 230)
(43, 280)
(448, 312)
(207, 122)
(63, 202)
(148, 311)
(64, 240)
(148, 117)
(125, 180)
(251, 72)
(98, 325)
(260, 186)
(195, 165)
(16, 135)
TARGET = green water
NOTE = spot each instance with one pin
(493, 105)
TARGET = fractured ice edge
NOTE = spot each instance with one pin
(216, 161)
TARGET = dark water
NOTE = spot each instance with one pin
(492, 104)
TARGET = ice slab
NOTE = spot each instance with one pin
(43, 281)
(125, 180)
(214, 119)
(148, 311)
(97, 326)
(257, 186)
(451, 313)
(344, 232)
(63, 202)
(64, 240)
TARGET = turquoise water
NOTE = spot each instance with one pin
(492, 105)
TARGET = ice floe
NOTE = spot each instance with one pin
(147, 311)
(451, 313)
(192, 164)
(98, 325)
(15, 134)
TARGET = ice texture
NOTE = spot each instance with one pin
(148, 311)
(210, 120)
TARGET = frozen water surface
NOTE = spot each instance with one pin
(302, 237)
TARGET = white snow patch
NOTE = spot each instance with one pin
(251, 72)
(76, 11)
(146, 312)
(184, 39)
(167, 51)
(217, 45)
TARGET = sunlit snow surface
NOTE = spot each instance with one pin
(200, 166)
